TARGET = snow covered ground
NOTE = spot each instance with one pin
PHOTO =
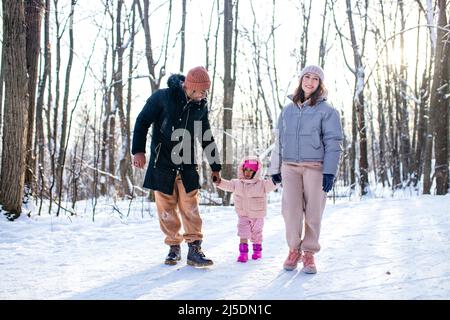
(371, 249)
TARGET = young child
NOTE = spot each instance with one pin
(250, 204)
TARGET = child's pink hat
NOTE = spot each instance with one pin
(250, 164)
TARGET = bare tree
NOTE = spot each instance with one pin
(65, 107)
(53, 147)
(183, 35)
(440, 101)
(76, 160)
(46, 76)
(275, 80)
(155, 79)
(372, 140)
(258, 61)
(216, 46)
(358, 100)
(391, 142)
(65, 146)
(2, 73)
(126, 172)
(129, 95)
(382, 131)
(345, 158)
(405, 144)
(323, 36)
(106, 107)
(306, 17)
(420, 120)
(15, 116)
(33, 17)
(205, 170)
(111, 110)
(428, 151)
(416, 95)
(229, 83)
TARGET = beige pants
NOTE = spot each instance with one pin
(302, 197)
(171, 207)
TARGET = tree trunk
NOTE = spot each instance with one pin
(125, 161)
(56, 109)
(416, 102)
(359, 104)
(275, 89)
(183, 35)
(51, 133)
(15, 116)
(345, 158)
(421, 131)
(40, 137)
(353, 148)
(63, 138)
(427, 162)
(33, 15)
(2, 74)
(110, 117)
(440, 101)
(229, 84)
(405, 144)
(323, 37)
(382, 134)
(372, 144)
(306, 17)
(397, 151)
(128, 169)
(216, 46)
(105, 110)
(111, 143)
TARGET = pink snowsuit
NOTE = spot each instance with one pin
(250, 201)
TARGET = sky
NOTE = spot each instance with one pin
(393, 248)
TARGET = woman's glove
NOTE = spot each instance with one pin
(276, 178)
(327, 182)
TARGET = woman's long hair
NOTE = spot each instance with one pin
(299, 95)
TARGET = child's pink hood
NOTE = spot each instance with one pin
(240, 172)
(250, 195)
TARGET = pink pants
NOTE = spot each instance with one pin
(250, 228)
(302, 205)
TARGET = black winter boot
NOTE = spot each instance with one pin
(174, 255)
(196, 257)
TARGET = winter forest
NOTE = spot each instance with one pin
(76, 221)
(75, 74)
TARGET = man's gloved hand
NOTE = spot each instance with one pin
(327, 182)
(276, 178)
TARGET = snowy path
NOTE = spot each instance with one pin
(372, 249)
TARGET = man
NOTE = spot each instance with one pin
(178, 114)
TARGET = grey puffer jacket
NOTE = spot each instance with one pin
(308, 133)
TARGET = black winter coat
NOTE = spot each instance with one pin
(169, 110)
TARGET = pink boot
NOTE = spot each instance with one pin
(292, 260)
(257, 251)
(308, 263)
(243, 249)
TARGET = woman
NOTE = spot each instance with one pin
(306, 157)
